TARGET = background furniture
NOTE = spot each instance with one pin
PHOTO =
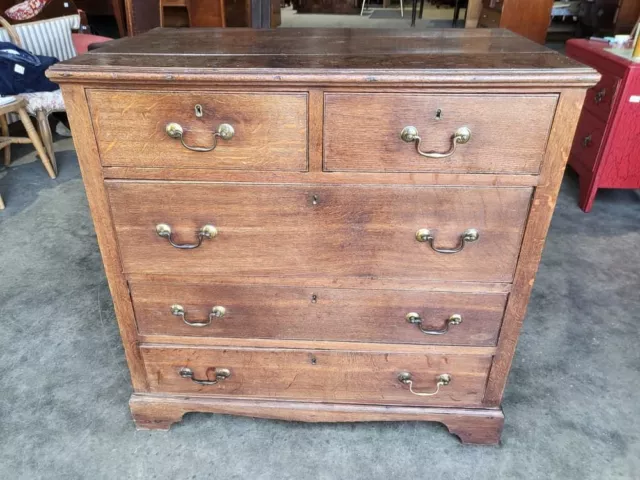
(19, 107)
(605, 149)
(432, 218)
(52, 37)
(192, 13)
(529, 18)
(364, 2)
(327, 6)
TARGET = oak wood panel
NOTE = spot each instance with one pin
(155, 412)
(89, 160)
(270, 129)
(328, 178)
(362, 132)
(278, 230)
(543, 204)
(317, 375)
(341, 282)
(291, 313)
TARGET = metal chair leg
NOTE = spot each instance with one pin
(364, 2)
(401, 9)
(414, 11)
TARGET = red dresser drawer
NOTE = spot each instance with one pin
(599, 99)
(588, 139)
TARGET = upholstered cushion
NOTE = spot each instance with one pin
(47, 37)
(47, 101)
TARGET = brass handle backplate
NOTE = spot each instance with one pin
(416, 319)
(221, 374)
(407, 379)
(599, 96)
(163, 230)
(216, 312)
(410, 134)
(469, 235)
(224, 131)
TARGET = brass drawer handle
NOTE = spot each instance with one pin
(221, 375)
(599, 96)
(208, 231)
(586, 141)
(216, 312)
(410, 134)
(406, 378)
(416, 319)
(469, 235)
(224, 131)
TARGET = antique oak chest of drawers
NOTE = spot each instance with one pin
(322, 225)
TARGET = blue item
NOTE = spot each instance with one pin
(23, 72)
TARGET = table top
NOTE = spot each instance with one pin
(287, 55)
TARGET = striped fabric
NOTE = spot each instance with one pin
(47, 37)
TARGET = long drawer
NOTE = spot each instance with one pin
(296, 313)
(269, 129)
(507, 133)
(317, 375)
(310, 230)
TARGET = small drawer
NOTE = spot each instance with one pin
(431, 233)
(266, 131)
(588, 140)
(489, 18)
(294, 313)
(368, 132)
(318, 375)
(599, 99)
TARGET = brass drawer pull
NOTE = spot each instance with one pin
(208, 231)
(216, 312)
(224, 131)
(416, 319)
(599, 96)
(469, 235)
(405, 378)
(221, 374)
(410, 134)
(586, 141)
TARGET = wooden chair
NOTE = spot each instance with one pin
(19, 107)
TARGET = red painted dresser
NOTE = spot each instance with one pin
(606, 148)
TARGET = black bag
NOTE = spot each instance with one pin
(23, 72)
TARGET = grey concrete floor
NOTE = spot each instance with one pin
(572, 408)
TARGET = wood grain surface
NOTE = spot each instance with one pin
(362, 132)
(290, 313)
(318, 375)
(270, 129)
(479, 426)
(354, 231)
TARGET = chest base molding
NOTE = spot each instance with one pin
(474, 426)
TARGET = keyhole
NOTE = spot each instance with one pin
(313, 360)
(314, 298)
(439, 114)
(198, 109)
(315, 199)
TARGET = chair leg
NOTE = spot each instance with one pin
(5, 133)
(1, 203)
(44, 128)
(421, 9)
(364, 2)
(35, 139)
(456, 14)
(414, 10)
(401, 9)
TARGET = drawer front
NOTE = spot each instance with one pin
(599, 99)
(269, 130)
(588, 140)
(316, 375)
(362, 132)
(293, 313)
(355, 231)
(489, 18)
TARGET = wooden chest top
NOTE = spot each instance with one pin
(327, 56)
